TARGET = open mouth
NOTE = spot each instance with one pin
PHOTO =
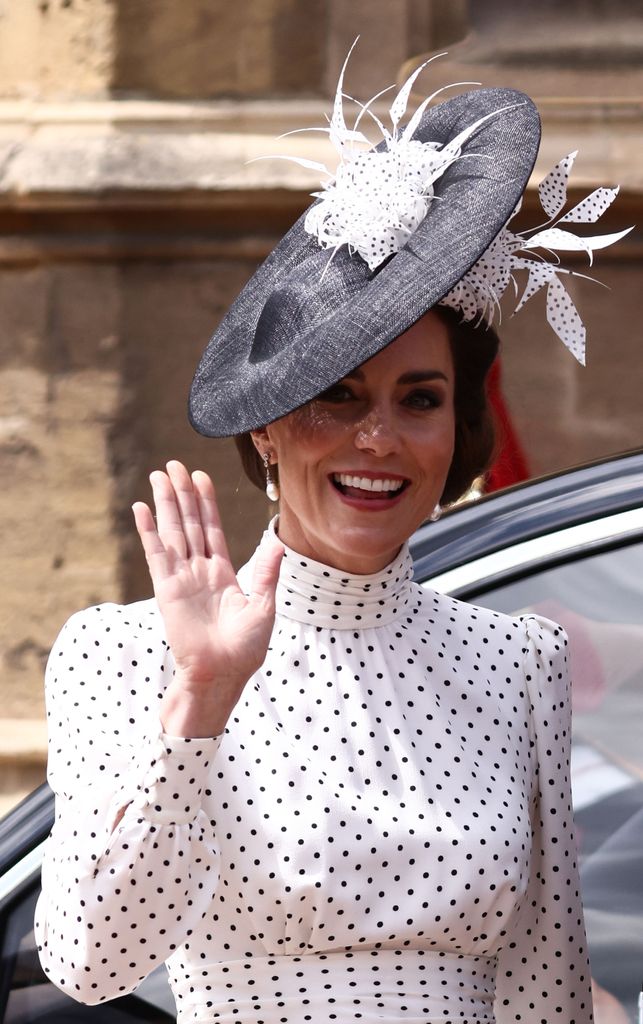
(353, 486)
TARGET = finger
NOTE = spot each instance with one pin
(188, 507)
(266, 572)
(168, 517)
(155, 553)
(211, 520)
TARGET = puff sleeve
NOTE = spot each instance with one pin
(543, 970)
(118, 900)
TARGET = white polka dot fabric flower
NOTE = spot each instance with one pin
(376, 198)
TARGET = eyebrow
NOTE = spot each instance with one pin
(412, 377)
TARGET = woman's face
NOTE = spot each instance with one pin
(364, 463)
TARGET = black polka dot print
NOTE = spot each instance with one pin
(383, 833)
(552, 190)
(377, 200)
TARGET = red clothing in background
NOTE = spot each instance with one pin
(510, 466)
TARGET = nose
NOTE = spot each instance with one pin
(376, 432)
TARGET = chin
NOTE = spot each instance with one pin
(373, 548)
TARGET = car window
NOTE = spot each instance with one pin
(599, 600)
(27, 997)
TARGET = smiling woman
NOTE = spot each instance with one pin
(391, 420)
(473, 348)
(376, 452)
(319, 791)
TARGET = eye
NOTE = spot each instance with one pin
(423, 399)
(337, 393)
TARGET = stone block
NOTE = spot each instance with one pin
(23, 754)
(59, 551)
(56, 48)
(24, 296)
(203, 48)
(169, 312)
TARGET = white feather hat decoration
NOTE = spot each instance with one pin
(478, 293)
(375, 199)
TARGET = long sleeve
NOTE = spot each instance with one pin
(117, 901)
(543, 970)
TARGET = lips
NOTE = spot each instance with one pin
(369, 487)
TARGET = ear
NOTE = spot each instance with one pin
(261, 441)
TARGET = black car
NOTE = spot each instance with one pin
(569, 547)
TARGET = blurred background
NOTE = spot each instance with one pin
(130, 219)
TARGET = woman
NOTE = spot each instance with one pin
(319, 791)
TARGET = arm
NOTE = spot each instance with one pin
(543, 970)
(116, 901)
(131, 864)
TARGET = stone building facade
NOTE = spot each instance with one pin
(130, 218)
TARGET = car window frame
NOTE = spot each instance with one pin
(537, 554)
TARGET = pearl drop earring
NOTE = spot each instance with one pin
(272, 487)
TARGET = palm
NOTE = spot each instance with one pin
(214, 630)
(217, 634)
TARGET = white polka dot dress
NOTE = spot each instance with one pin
(382, 834)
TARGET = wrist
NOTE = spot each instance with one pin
(198, 710)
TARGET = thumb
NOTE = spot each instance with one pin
(266, 572)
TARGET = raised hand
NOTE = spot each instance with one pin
(218, 636)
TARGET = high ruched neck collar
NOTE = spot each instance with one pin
(311, 592)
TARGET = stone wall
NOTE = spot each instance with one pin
(129, 220)
(60, 49)
(66, 50)
(60, 391)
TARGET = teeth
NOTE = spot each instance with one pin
(366, 483)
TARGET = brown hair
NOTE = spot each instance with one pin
(473, 349)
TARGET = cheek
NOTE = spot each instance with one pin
(313, 421)
(305, 433)
(438, 443)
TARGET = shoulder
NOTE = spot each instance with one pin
(112, 624)
(531, 647)
(106, 674)
(473, 622)
(140, 615)
(101, 647)
(546, 639)
(546, 663)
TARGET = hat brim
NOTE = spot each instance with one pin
(255, 369)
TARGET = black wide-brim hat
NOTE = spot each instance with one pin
(302, 323)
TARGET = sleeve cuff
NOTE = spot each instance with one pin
(175, 771)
